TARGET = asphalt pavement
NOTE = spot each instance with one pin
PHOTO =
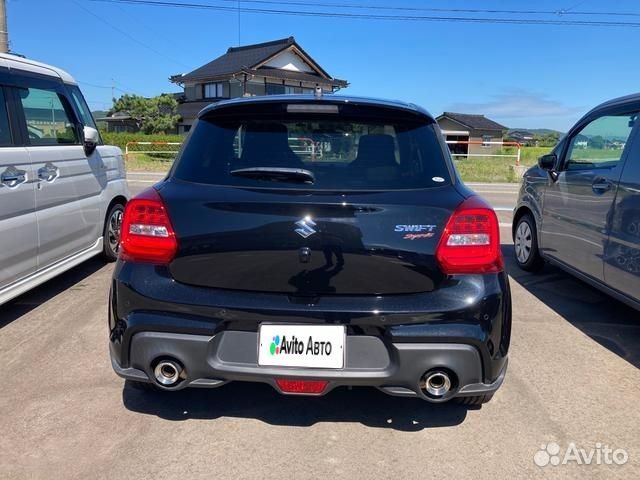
(573, 379)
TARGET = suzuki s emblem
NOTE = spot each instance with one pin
(305, 227)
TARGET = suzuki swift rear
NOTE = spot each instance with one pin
(311, 243)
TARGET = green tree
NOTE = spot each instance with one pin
(153, 115)
(597, 142)
(547, 140)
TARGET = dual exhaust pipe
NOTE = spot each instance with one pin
(437, 384)
(168, 373)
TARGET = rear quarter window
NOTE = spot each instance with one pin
(343, 153)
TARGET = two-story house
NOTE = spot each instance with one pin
(277, 67)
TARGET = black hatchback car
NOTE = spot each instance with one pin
(310, 243)
(580, 207)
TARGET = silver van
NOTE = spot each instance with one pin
(62, 192)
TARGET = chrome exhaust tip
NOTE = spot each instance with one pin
(168, 373)
(437, 383)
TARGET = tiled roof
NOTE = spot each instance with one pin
(476, 122)
(249, 57)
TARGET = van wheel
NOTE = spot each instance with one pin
(111, 233)
(525, 240)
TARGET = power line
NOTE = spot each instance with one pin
(125, 86)
(111, 87)
(576, 5)
(92, 84)
(375, 16)
(129, 36)
(98, 102)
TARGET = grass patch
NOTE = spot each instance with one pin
(142, 162)
(498, 169)
(146, 162)
(486, 170)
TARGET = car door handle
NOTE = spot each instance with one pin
(12, 177)
(601, 185)
(48, 173)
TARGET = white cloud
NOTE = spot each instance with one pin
(519, 104)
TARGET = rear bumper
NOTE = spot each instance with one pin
(391, 341)
(212, 361)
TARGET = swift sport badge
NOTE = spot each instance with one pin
(305, 227)
(415, 232)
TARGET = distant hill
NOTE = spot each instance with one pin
(538, 131)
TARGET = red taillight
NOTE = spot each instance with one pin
(301, 386)
(471, 240)
(147, 234)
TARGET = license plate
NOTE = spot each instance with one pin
(308, 346)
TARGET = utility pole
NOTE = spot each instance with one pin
(238, 22)
(4, 33)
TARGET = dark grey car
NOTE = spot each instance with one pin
(579, 208)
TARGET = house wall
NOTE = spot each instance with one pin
(193, 92)
(288, 60)
(477, 136)
(458, 148)
(446, 124)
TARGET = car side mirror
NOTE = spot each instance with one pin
(548, 162)
(91, 139)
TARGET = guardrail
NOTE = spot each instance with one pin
(127, 151)
(478, 142)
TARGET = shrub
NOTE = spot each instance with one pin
(121, 140)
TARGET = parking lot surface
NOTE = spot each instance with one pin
(574, 378)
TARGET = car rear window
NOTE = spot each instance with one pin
(342, 153)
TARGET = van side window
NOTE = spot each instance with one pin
(600, 143)
(81, 107)
(5, 131)
(48, 122)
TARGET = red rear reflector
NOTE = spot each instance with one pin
(147, 234)
(301, 386)
(471, 240)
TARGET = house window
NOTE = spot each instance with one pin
(485, 140)
(235, 89)
(275, 89)
(214, 90)
(291, 90)
(255, 89)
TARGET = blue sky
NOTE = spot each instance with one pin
(531, 75)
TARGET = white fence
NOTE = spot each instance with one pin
(476, 142)
(127, 150)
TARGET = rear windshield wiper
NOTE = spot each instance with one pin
(276, 174)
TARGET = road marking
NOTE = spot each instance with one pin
(503, 209)
(505, 224)
(147, 173)
(498, 192)
(497, 184)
